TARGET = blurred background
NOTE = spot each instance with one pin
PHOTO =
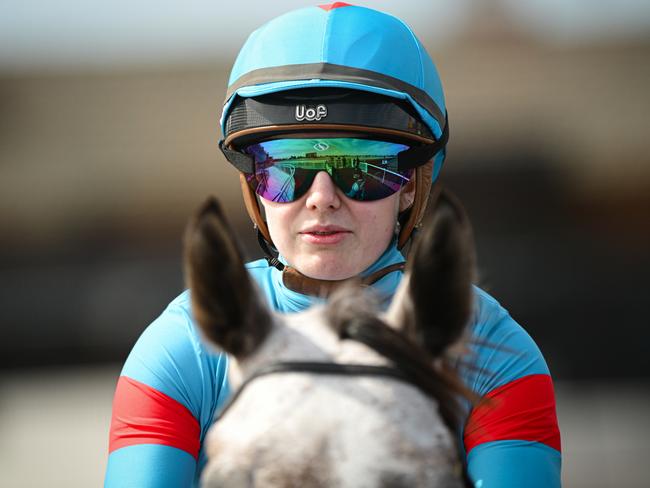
(108, 141)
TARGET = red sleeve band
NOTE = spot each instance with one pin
(523, 409)
(144, 415)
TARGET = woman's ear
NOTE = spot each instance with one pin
(407, 195)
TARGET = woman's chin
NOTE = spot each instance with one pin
(328, 269)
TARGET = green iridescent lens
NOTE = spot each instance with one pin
(363, 169)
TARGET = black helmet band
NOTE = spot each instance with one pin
(330, 110)
(336, 72)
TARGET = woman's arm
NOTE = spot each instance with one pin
(512, 439)
(164, 403)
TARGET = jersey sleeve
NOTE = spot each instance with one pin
(511, 438)
(165, 401)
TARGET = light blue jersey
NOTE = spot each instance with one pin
(172, 384)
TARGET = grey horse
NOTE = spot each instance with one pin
(345, 394)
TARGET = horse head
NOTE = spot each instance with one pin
(344, 394)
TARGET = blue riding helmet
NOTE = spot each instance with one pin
(340, 46)
(345, 46)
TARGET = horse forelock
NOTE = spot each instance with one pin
(353, 315)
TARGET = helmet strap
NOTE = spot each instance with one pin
(413, 216)
(271, 254)
(253, 208)
(263, 234)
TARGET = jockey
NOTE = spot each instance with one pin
(336, 120)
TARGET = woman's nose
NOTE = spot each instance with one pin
(323, 195)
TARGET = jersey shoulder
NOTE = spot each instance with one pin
(511, 438)
(171, 358)
(502, 350)
(165, 400)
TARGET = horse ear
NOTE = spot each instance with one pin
(435, 300)
(225, 303)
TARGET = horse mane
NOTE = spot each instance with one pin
(353, 316)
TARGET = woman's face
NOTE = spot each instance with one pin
(326, 235)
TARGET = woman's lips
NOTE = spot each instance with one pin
(324, 235)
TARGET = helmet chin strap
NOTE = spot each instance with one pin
(421, 198)
(271, 255)
(253, 209)
(298, 282)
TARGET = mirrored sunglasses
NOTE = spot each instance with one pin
(363, 169)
